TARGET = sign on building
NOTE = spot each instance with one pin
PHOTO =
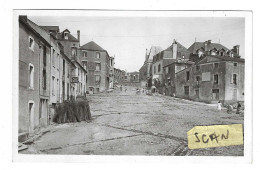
(206, 76)
(74, 80)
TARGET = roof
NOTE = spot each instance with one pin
(34, 28)
(187, 62)
(197, 45)
(180, 48)
(227, 58)
(92, 46)
(70, 37)
(51, 28)
(153, 51)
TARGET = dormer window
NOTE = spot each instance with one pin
(221, 53)
(66, 35)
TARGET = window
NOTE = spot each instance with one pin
(235, 64)
(154, 69)
(44, 56)
(197, 68)
(53, 86)
(63, 67)
(221, 53)
(216, 65)
(31, 76)
(215, 79)
(31, 43)
(86, 78)
(97, 79)
(58, 61)
(183, 57)
(53, 58)
(232, 55)
(98, 55)
(159, 67)
(134, 77)
(85, 54)
(58, 87)
(187, 76)
(73, 52)
(169, 81)
(66, 35)
(186, 90)
(197, 79)
(44, 79)
(98, 66)
(234, 80)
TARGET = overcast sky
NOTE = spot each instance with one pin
(128, 37)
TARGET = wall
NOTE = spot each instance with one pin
(91, 67)
(230, 87)
(27, 56)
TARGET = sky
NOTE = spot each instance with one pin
(127, 38)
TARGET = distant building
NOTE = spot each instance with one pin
(119, 76)
(214, 78)
(98, 67)
(111, 72)
(145, 71)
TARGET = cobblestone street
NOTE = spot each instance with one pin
(124, 123)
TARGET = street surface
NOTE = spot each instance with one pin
(124, 123)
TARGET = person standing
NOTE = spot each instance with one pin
(238, 108)
(125, 88)
(219, 105)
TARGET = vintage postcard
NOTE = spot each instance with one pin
(93, 83)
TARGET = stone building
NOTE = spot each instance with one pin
(214, 78)
(34, 59)
(98, 67)
(119, 76)
(175, 52)
(169, 71)
(145, 71)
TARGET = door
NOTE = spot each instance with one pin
(31, 116)
(197, 93)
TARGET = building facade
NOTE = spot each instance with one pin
(145, 71)
(34, 58)
(97, 61)
(169, 79)
(175, 52)
(119, 76)
(214, 78)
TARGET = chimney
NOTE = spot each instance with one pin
(206, 46)
(174, 49)
(23, 17)
(78, 33)
(146, 57)
(209, 41)
(236, 49)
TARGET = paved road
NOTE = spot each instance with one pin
(130, 124)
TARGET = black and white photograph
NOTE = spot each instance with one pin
(133, 83)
